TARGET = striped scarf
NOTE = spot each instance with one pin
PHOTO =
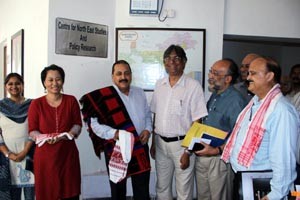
(108, 107)
(255, 130)
(14, 111)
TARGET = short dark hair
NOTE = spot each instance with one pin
(11, 75)
(293, 68)
(120, 62)
(233, 70)
(273, 66)
(179, 52)
(54, 68)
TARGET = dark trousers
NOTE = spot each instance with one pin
(140, 187)
(237, 189)
(16, 193)
(140, 184)
(297, 181)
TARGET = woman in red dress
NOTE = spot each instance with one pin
(56, 159)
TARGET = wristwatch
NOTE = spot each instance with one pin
(7, 154)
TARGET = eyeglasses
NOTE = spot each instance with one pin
(175, 59)
(216, 73)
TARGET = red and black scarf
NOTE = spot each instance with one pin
(108, 107)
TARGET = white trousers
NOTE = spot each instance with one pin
(167, 163)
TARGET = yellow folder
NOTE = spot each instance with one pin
(203, 131)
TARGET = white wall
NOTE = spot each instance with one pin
(274, 18)
(32, 16)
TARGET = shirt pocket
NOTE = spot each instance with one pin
(175, 107)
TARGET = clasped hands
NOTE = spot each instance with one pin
(17, 157)
(52, 138)
(61, 136)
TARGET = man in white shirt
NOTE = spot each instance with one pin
(177, 101)
(121, 107)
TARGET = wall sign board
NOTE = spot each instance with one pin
(81, 38)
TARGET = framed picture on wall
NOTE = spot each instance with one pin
(143, 49)
(5, 68)
(17, 52)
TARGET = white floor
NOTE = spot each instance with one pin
(97, 186)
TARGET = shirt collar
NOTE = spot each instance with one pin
(180, 82)
(256, 100)
(119, 92)
(225, 92)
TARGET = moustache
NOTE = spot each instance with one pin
(248, 82)
(210, 81)
(213, 87)
(123, 80)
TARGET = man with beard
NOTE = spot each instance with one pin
(117, 112)
(265, 134)
(177, 101)
(242, 86)
(214, 177)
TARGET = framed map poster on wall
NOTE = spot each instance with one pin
(143, 49)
